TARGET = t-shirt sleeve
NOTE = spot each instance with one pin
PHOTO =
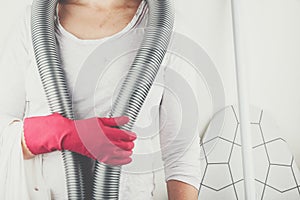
(179, 124)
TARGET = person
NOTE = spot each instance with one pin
(31, 166)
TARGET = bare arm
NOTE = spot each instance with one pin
(26, 153)
(178, 190)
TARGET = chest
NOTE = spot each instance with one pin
(93, 85)
(88, 23)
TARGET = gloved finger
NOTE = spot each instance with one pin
(118, 162)
(115, 134)
(115, 121)
(128, 146)
(120, 153)
(117, 157)
(131, 136)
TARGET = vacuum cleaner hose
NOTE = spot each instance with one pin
(129, 101)
(55, 86)
(136, 86)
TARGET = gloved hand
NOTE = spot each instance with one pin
(94, 137)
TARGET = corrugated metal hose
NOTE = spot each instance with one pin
(129, 101)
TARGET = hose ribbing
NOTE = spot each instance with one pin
(135, 88)
(55, 86)
(129, 101)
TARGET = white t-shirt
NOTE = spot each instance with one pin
(159, 125)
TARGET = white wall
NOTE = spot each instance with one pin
(272, 45)
(274, 63)
(10, 11)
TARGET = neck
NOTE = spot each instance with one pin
(103, 4)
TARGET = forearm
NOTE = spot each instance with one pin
(178, 190)
(26, 153)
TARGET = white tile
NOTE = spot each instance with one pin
(296, 172)
(240, 190)
(238, 136)
(230, 125)
(217, 176)
(281, 178)
(236, 163)
(279, 153)
(259, 189)
(261, 163)
(270, 128)
(255, 114)
(271, 194)
(220, 153)
(225, 194)
(256, 135)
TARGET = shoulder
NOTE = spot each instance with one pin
(189, 20)
(17, 48)
(26, 23)
(20, 31)
(183, 20)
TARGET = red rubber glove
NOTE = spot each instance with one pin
(93, 137)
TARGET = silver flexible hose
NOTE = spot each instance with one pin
(129, 101)
(55, 86)
(136, 86)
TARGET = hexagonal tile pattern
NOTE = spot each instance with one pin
(221, 152)
(226, 193)
(271, 194)
(277, 176)
(281, 183)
